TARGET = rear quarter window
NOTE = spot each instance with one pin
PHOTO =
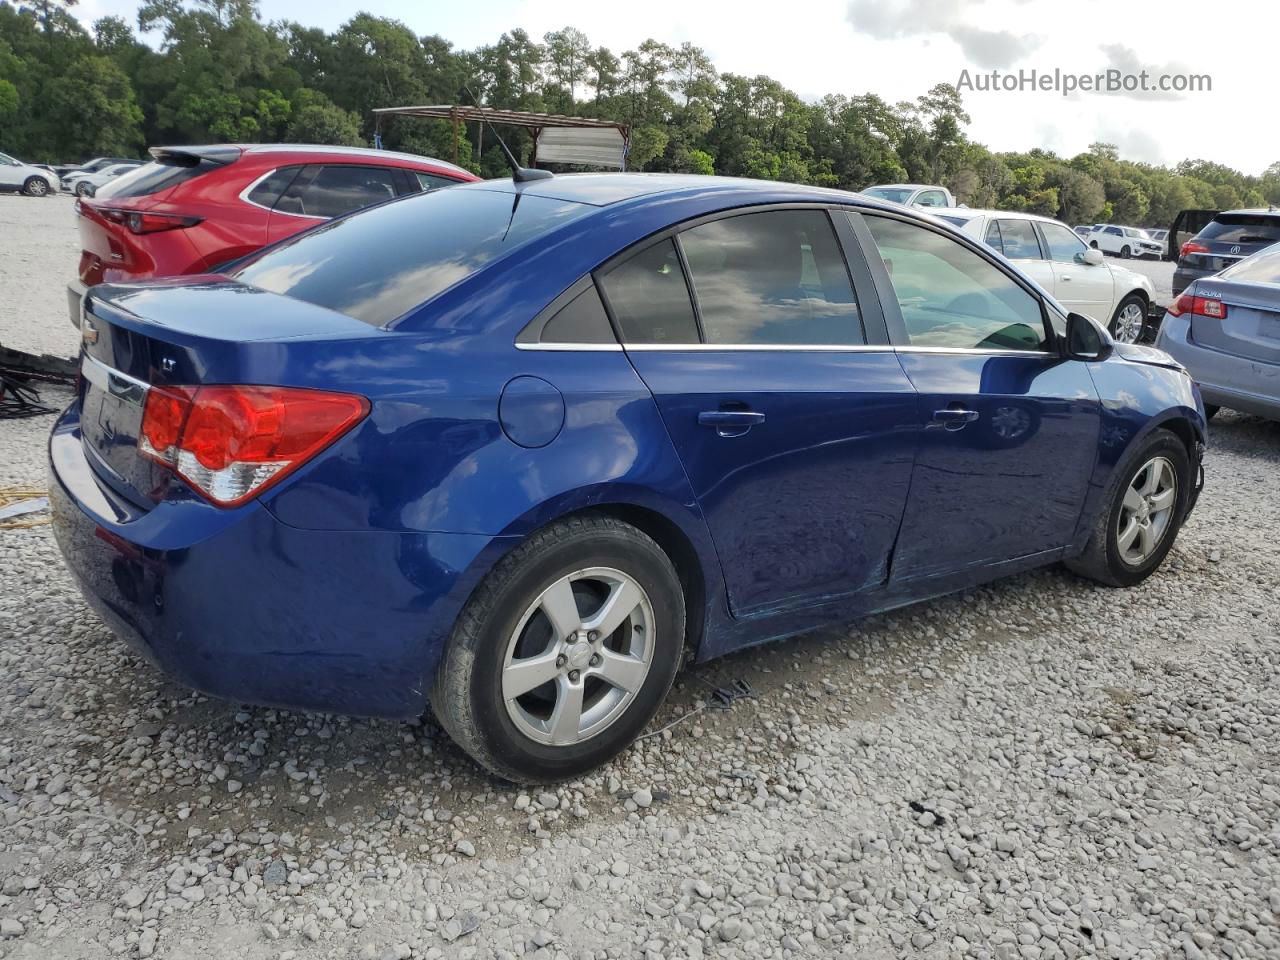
(378, 264)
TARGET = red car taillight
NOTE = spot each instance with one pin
(232, 442)
(139, 222)
(1200, 306)
(1192, 247)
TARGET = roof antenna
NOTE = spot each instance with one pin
(518, 173)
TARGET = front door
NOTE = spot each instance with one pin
(1011, 427)
(795, 426)
(1081, 287)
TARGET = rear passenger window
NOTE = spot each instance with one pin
(1018, 240)
(776, 277)
(951, 296)
(268, 190)
(331, 191)
(649, 297)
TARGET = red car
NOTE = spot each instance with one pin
(193, 209)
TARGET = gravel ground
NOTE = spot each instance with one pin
(1159, 272)
(1041, 768)
(40, 250)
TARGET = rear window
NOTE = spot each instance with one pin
(1262, 267)
(158, 175)
(379, 264)
(1242, 228)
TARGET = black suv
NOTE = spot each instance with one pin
(1226, 239)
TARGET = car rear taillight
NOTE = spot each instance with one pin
(233, 442)
(1199, 306)
(156, 222)
(1192, 247)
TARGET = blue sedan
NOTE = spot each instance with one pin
(516, 450)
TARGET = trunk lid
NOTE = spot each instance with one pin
(188, 332)
(1251, 328)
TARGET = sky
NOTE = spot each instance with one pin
(900, 49)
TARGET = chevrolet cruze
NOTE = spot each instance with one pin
(515, 450)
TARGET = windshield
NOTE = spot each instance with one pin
(893, 194)
(380, 263)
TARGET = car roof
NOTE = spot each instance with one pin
(905, 186)
(603, 189)
(260, 148)
(1251, 212)
(969, 213)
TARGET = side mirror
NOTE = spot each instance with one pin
(1085, 339)
(1090, 257)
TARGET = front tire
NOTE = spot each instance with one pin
(36, 187)
(83, 189)
(564, 653)
(1125, 253)
(1129, 321)
(1143, 514)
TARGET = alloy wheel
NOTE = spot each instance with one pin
(578, 656)
(1129, 323)
(1146, 512)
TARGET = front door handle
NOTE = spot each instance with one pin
(730, 423)
(955, 418)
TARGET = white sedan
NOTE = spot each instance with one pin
(86, 184)
(1053, 255)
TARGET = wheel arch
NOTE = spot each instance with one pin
(678, 528)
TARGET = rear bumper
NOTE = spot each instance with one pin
(242, 606)
(1251, 386)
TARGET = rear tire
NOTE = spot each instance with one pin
(36, 187)
(1115, 555)
(517, 629)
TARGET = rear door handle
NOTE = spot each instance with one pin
(730, 423)
(955, 418)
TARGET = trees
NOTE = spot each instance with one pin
(223, 73)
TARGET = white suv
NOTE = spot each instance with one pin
(1124, 242)
(33, 181)
(1054, 256)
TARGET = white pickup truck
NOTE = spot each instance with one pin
(912, 194)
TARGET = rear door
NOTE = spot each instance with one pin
(1017, 239)
(1011, 427)
(1078, 286)
(792, 416)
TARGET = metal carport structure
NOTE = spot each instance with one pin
(556, 138)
